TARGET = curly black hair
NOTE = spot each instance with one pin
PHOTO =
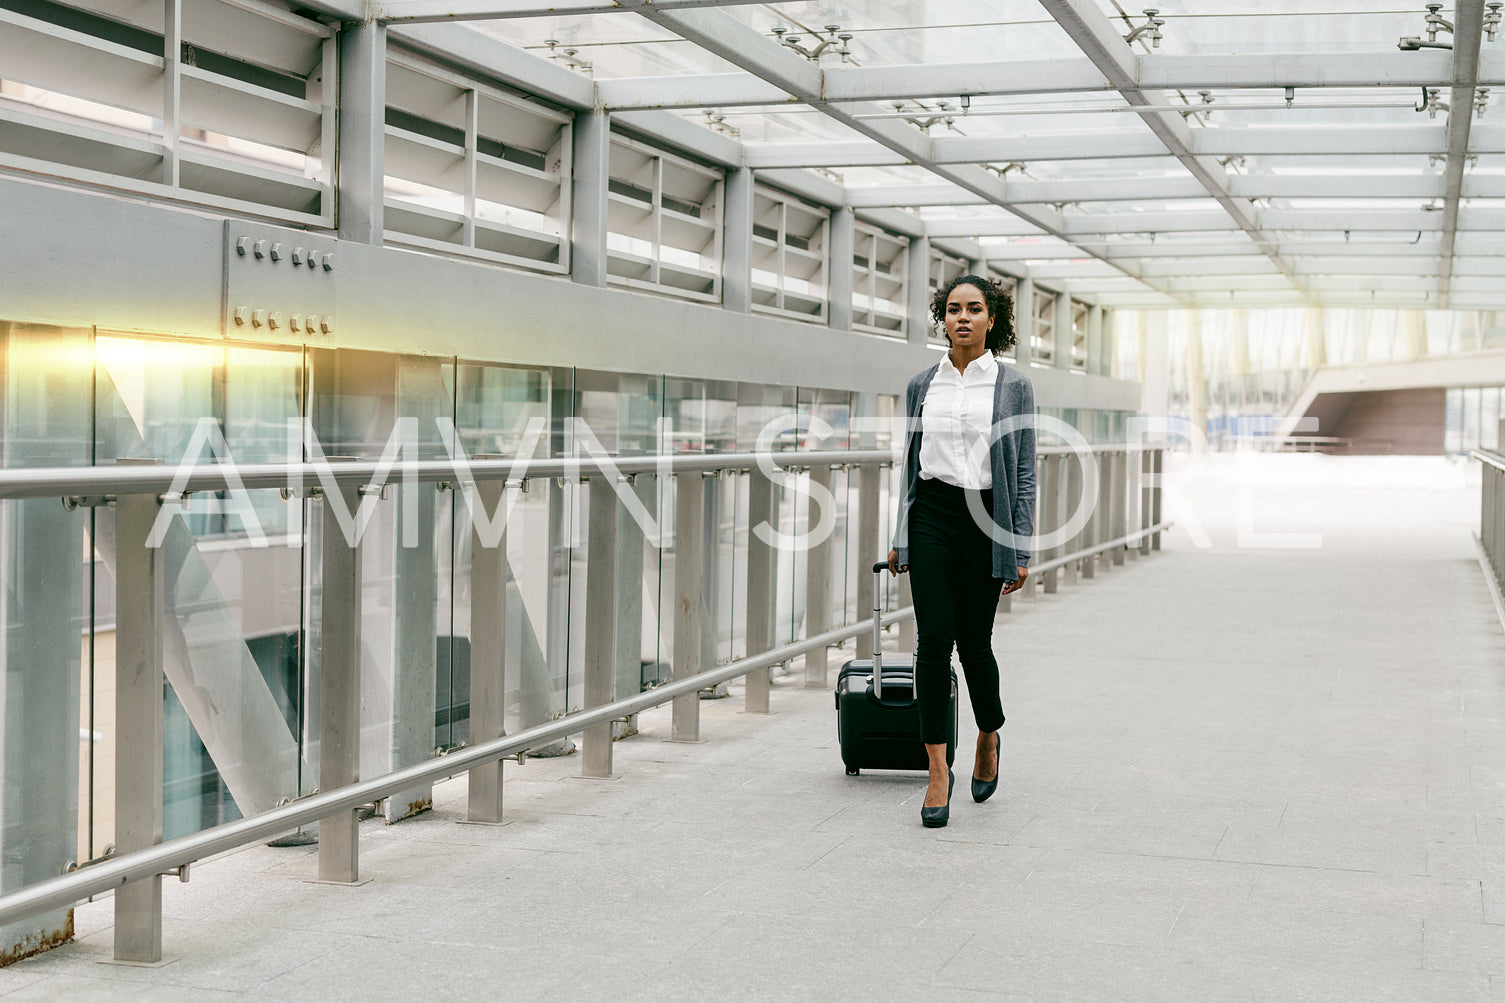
(1000, 307)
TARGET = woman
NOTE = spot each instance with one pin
(955, 446)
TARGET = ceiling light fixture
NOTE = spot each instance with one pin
(1150, 29)
(567, 56)
(1435, 23)
(837, 36)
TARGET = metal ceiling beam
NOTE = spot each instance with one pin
(1237, 246)
(1468, 25)
(966, 150)
(418, 11)
(934, 81)
(1251, 186)
(724, 36)
(1273, 141)
(1101, 42)
(1334, 221)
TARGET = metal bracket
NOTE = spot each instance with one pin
(75, 502)
(74, 865)
(379, 491)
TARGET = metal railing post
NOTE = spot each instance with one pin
(1146, 499)
(600, 623)
(488, 654)
(1489, 517)
(340, 687)
(1120, 489)
(1070, 499)
(1103, 522)
(1048, 511)
(689, 558)
(1032, 582)
(141, 607)
(1135, 519)
(867, 538)
(759, 599)
(1092, 533)
(1157, 492)
(817, 581)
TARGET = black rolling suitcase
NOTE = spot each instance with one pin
(879, 726)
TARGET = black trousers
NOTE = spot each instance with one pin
(955, 600)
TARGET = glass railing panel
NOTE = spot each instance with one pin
(47, 686)
(375, 406)
(233, 563)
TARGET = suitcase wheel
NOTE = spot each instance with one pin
(852, 771)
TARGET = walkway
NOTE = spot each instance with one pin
(1228, 774)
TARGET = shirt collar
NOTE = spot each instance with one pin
(984, 365)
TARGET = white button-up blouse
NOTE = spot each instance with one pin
(956, 423)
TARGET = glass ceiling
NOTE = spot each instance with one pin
(1299, 129)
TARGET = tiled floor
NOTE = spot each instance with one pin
(1229, 773)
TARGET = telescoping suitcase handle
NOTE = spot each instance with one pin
(878, 569)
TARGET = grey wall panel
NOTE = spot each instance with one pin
(79, 259)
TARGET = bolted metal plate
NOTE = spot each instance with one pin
(279, 284)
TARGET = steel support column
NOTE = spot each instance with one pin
(1096, 355)
(362, 132)
(737, 241)
(600, 623)
(140, 611)
(843, 237)
(917, 291)
(1061, 357)
(592, 166)
(1024, 321)
(689, 564)
(172, 88)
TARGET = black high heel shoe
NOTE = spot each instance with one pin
(936, 818)
(983, 789)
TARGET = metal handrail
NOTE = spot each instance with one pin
(1098, 548)
(109, 481)
(1488, 456)
(66, 890)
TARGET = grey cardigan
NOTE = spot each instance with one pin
(1012, 457)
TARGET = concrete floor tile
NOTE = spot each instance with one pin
(1051, 968)
(1493, 890)
(82, 989)
(1282, 982)
(1302, 937)
(13, 979)
(1455, 899)
(1146, 836)
(1465, 947)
